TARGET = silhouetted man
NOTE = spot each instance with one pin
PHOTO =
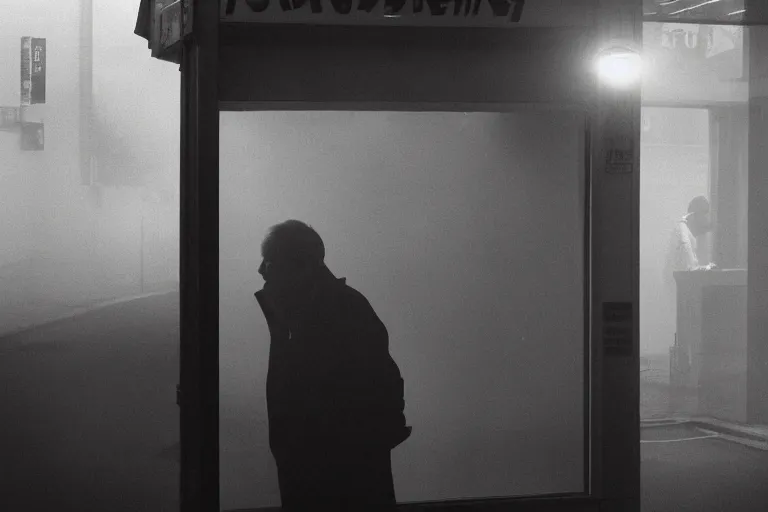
(334, 394)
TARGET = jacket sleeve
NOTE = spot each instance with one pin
(364, 384)
(685, 235)
(373, 370)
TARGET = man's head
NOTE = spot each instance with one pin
(292, 253)
(698, 216)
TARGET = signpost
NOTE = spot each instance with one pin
(33, 67)
(32, 137)
(10, 118)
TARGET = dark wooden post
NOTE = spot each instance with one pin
(199, 375)
(615, 265)
(757, 280)
(86, 90)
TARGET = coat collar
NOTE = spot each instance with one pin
(323, 284)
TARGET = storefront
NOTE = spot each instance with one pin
(534, 64)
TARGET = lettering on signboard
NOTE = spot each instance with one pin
(617, 328)
(10, 118)
(620, 155)
(509, 10)
(620, 161)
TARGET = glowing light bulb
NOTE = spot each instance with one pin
(620, 68)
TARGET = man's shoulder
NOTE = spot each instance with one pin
(353, 296)
(355, 305)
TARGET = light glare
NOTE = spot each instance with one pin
(621, 69)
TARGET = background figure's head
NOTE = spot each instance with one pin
(699, 220)
(292, 252)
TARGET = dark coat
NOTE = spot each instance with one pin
(332, 382)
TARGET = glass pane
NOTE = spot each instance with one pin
(89, 230)
(695, 135)
(465, 232)
(694, 65)
(702, 133)
(695, 11)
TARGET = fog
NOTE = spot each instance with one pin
(675, 168)
(694, 142)
(89, 403)
(465, 232)
(68, 244)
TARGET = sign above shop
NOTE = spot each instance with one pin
(705, 12)
(451, 13)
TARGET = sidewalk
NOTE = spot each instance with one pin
(655, 408)
(35, 292)
(755, 436)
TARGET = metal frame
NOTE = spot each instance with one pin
(585, 498)
(612, 256)
(199, 372)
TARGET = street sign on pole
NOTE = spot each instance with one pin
(187, 18)
(10, 117)
(168, 29)
(32, 137)
(33, 67)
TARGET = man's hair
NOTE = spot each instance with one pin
(295, 242)
(698, 204)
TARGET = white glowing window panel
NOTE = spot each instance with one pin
(466, 233)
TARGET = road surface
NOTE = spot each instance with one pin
(90, 424)
(686, 469)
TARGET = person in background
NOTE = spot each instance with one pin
(685, 244)
(335, 396)
(683, 255)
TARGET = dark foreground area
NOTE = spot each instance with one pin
(90, 423)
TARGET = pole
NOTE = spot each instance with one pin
(86, 90)
(141, 251)
(199, 264)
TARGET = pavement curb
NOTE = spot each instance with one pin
(730, 431)
(662, 423)
(84, 310)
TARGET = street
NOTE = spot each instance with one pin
(94, 425)
(683, 469)
(90, 421)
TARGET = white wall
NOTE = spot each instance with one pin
(674, 168)
(465, 232)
